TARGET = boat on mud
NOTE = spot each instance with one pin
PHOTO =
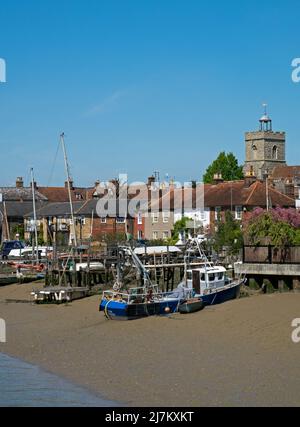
(210, 282)
(191, 305)
(143, 301)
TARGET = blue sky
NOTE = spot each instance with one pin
(144, 85)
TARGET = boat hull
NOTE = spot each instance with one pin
(221, 296)
(124, 311)
(191, 306)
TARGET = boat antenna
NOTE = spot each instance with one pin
(34, 216)
(62, 138)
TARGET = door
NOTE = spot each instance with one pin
(196, 281)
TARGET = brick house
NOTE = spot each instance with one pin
(15, 203)
(239, 197)
(242, 196)
(286, 179)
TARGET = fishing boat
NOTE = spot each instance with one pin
(191, 306)
(210, 282)
(212, 285)
(142, 301)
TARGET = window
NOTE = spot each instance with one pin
(238, 212)
(120, 220)
(202, 277)
(218, 210)
(165, 217)
(165, 235)
(155, 235)
(220, 276)
(254, 152)
(103, 220)
(211, 277)
(155, 217)
(140, 235)
(275, 152)
(140, 218)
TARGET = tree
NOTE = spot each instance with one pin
(278, 227)
(179, 227)
(228, 234)
(226, 165)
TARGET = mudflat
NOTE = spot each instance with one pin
(236, 354)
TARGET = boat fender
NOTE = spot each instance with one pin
(106, 310)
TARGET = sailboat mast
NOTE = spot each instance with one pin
(62, 138)
(34, 217)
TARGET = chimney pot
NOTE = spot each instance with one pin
(19, 182)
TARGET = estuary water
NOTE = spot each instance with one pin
(25, 385)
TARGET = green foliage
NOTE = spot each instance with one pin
(225, 164)
(158, 242)
(265, 229)
(179, 227)
(18, 229)
(114, 238)
(228, 234)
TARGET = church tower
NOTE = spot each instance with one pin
(265, 149)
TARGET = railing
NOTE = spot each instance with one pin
(135, 295)
(271, 254)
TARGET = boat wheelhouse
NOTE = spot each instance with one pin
(212, 284)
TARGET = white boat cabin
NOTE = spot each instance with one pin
(201, 279)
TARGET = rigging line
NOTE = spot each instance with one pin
(53, 165)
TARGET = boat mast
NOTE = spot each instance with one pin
(34, 216)
(6, 221)
(62, 138)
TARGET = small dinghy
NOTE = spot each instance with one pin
(191, 306)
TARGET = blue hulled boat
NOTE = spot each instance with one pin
(142, 301)
(136, 303)
(211, 284)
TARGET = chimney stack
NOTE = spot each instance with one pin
(151, 180)
(71, 184)
(19, 182)
(218, 179)
(249, 179)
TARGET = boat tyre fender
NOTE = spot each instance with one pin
(106, 311)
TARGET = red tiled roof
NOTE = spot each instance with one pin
(285, 172)
(60, 194)
(225, 194)
(238, 194)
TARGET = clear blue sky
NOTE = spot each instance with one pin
(142, 85)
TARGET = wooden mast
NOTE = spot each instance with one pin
(34, 217)
(62, 137)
